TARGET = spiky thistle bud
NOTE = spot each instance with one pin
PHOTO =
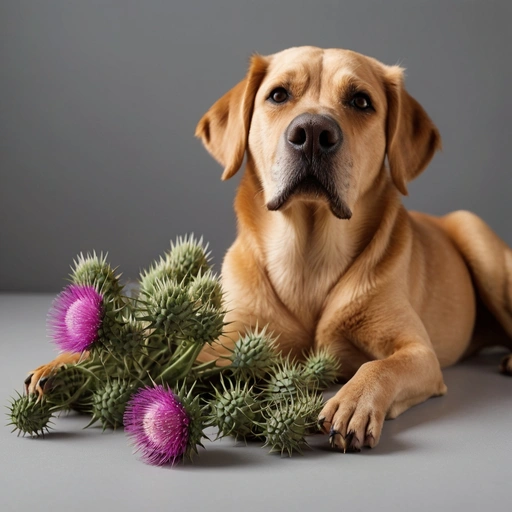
(206, 289)
(30, 415)
(169, 307)
(321, 370)
(188, 257)
(129, 338)
(205, 326)
(158, 271)
(109, 402)
(94, 270)
(254, 354)
(286, 379)
(235, 410)
(164, 426)
(288, 422)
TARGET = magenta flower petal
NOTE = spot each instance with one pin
(75, 318)
(158, 424)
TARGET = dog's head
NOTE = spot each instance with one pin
(317, 125)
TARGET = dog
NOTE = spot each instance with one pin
(326, 254)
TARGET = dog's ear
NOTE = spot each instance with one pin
(224, 129)
(412, 137)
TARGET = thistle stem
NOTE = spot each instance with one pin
(182, 365)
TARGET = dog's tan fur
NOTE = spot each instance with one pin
(390, 292)
(395, 295)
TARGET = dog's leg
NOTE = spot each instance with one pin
(490, 262)
(37, 378)
(405, 371)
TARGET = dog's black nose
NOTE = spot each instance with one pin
(314, 134)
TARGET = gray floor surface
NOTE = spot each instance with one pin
(450, 453)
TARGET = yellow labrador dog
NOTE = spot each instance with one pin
(326, 254)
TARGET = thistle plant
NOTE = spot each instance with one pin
(69, 387)
(109, 400)
(158, 271)
(29, 415)
(75, 318)
(254, 355)
(206, 288)
(286, 379)
(94, 270)
(164, 426)
(168, 308)
(288, 422)
(188, 258)
(181, 304)
(321, 370)
(235, 410)
(140, 352)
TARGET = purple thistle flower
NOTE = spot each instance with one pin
(75, 318)
(158, 424)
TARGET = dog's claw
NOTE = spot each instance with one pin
(27, 382)
(342, 442)
(42, 382)
(37, 380)
(332, 434)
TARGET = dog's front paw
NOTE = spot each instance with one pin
(352, 419)
(37, 379)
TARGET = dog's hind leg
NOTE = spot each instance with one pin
(489, 260)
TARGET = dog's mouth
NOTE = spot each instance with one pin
(310, 187)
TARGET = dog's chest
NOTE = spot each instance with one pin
(303, 275)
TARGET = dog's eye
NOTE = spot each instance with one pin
(279, 95)
(361, 101)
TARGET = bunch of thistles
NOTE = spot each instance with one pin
(139, 366)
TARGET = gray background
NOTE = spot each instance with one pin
(99, 101)
(98, 104)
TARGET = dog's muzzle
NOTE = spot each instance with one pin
(311, 144)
